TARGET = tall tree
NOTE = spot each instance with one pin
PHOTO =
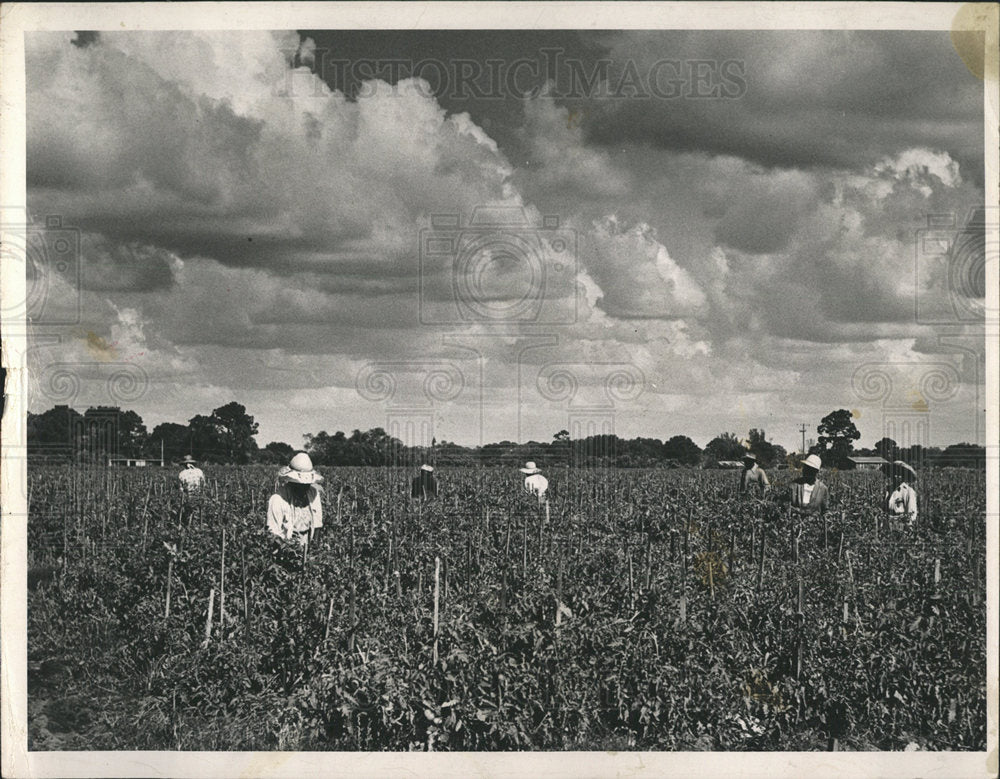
(682, 449)
(175, 438)
(725, 446)
(52, 432)
(276, 452)
(887, 449)
(236, 430)
(767, 453)
(206, 439)
(837, 434)
(111, 432)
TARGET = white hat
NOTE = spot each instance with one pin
(812, 461)
(426, 467)
(899, 465)
(299, 470)
(750, 456)
(530, 468)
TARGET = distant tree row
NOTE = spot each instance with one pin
(228, 435)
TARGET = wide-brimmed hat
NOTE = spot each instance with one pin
(812, 461)
(426, 467)
(299, 470)
(898, 466)
(188, 459)
(750, 456)
(530, 467)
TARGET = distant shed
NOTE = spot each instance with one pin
(132, 462)
(867, 463)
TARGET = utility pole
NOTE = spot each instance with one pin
(803, 431)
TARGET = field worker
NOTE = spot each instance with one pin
(753, 479)
(534, 482)
(808, 494)
(900, 497)
(192, 478)
(294, 511)
(424, 484)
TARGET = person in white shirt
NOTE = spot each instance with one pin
(192, 478)
(534, 482)
(900, 497)
(294, 512)
(753, 480)
(808, 495)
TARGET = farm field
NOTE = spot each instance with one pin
(650, 610)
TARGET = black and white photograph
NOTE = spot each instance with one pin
(544, 388)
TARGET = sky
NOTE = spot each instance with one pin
(492, 235)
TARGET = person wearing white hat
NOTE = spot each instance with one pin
(808, 494)
(294, 512)
(753, 478)
(424, 484)
(192, 478)
(534, 482)
(900, 497)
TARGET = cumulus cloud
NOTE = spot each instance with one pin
(636, 274)
(248, 232)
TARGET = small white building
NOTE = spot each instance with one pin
(868, 463)
(131, 462)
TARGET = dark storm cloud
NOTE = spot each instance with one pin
(812, 99)
(111, 266)
(85, 37)
(487, 73)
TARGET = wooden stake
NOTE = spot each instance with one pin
(760, 566)
(352, 616)
(524, 550)
(145, 515)
(246, 597)
(631, 590)
(222, 585)
(329, 616)
(937, 571)
(437, 576)
(208, 620)
(170, 572)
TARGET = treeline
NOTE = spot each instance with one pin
(228, 435)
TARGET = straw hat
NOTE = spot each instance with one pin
(812, 461)
(530, 468)
(188, 459)
(904, 468)
(750, 456)
(426, 467)
(299, 470)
